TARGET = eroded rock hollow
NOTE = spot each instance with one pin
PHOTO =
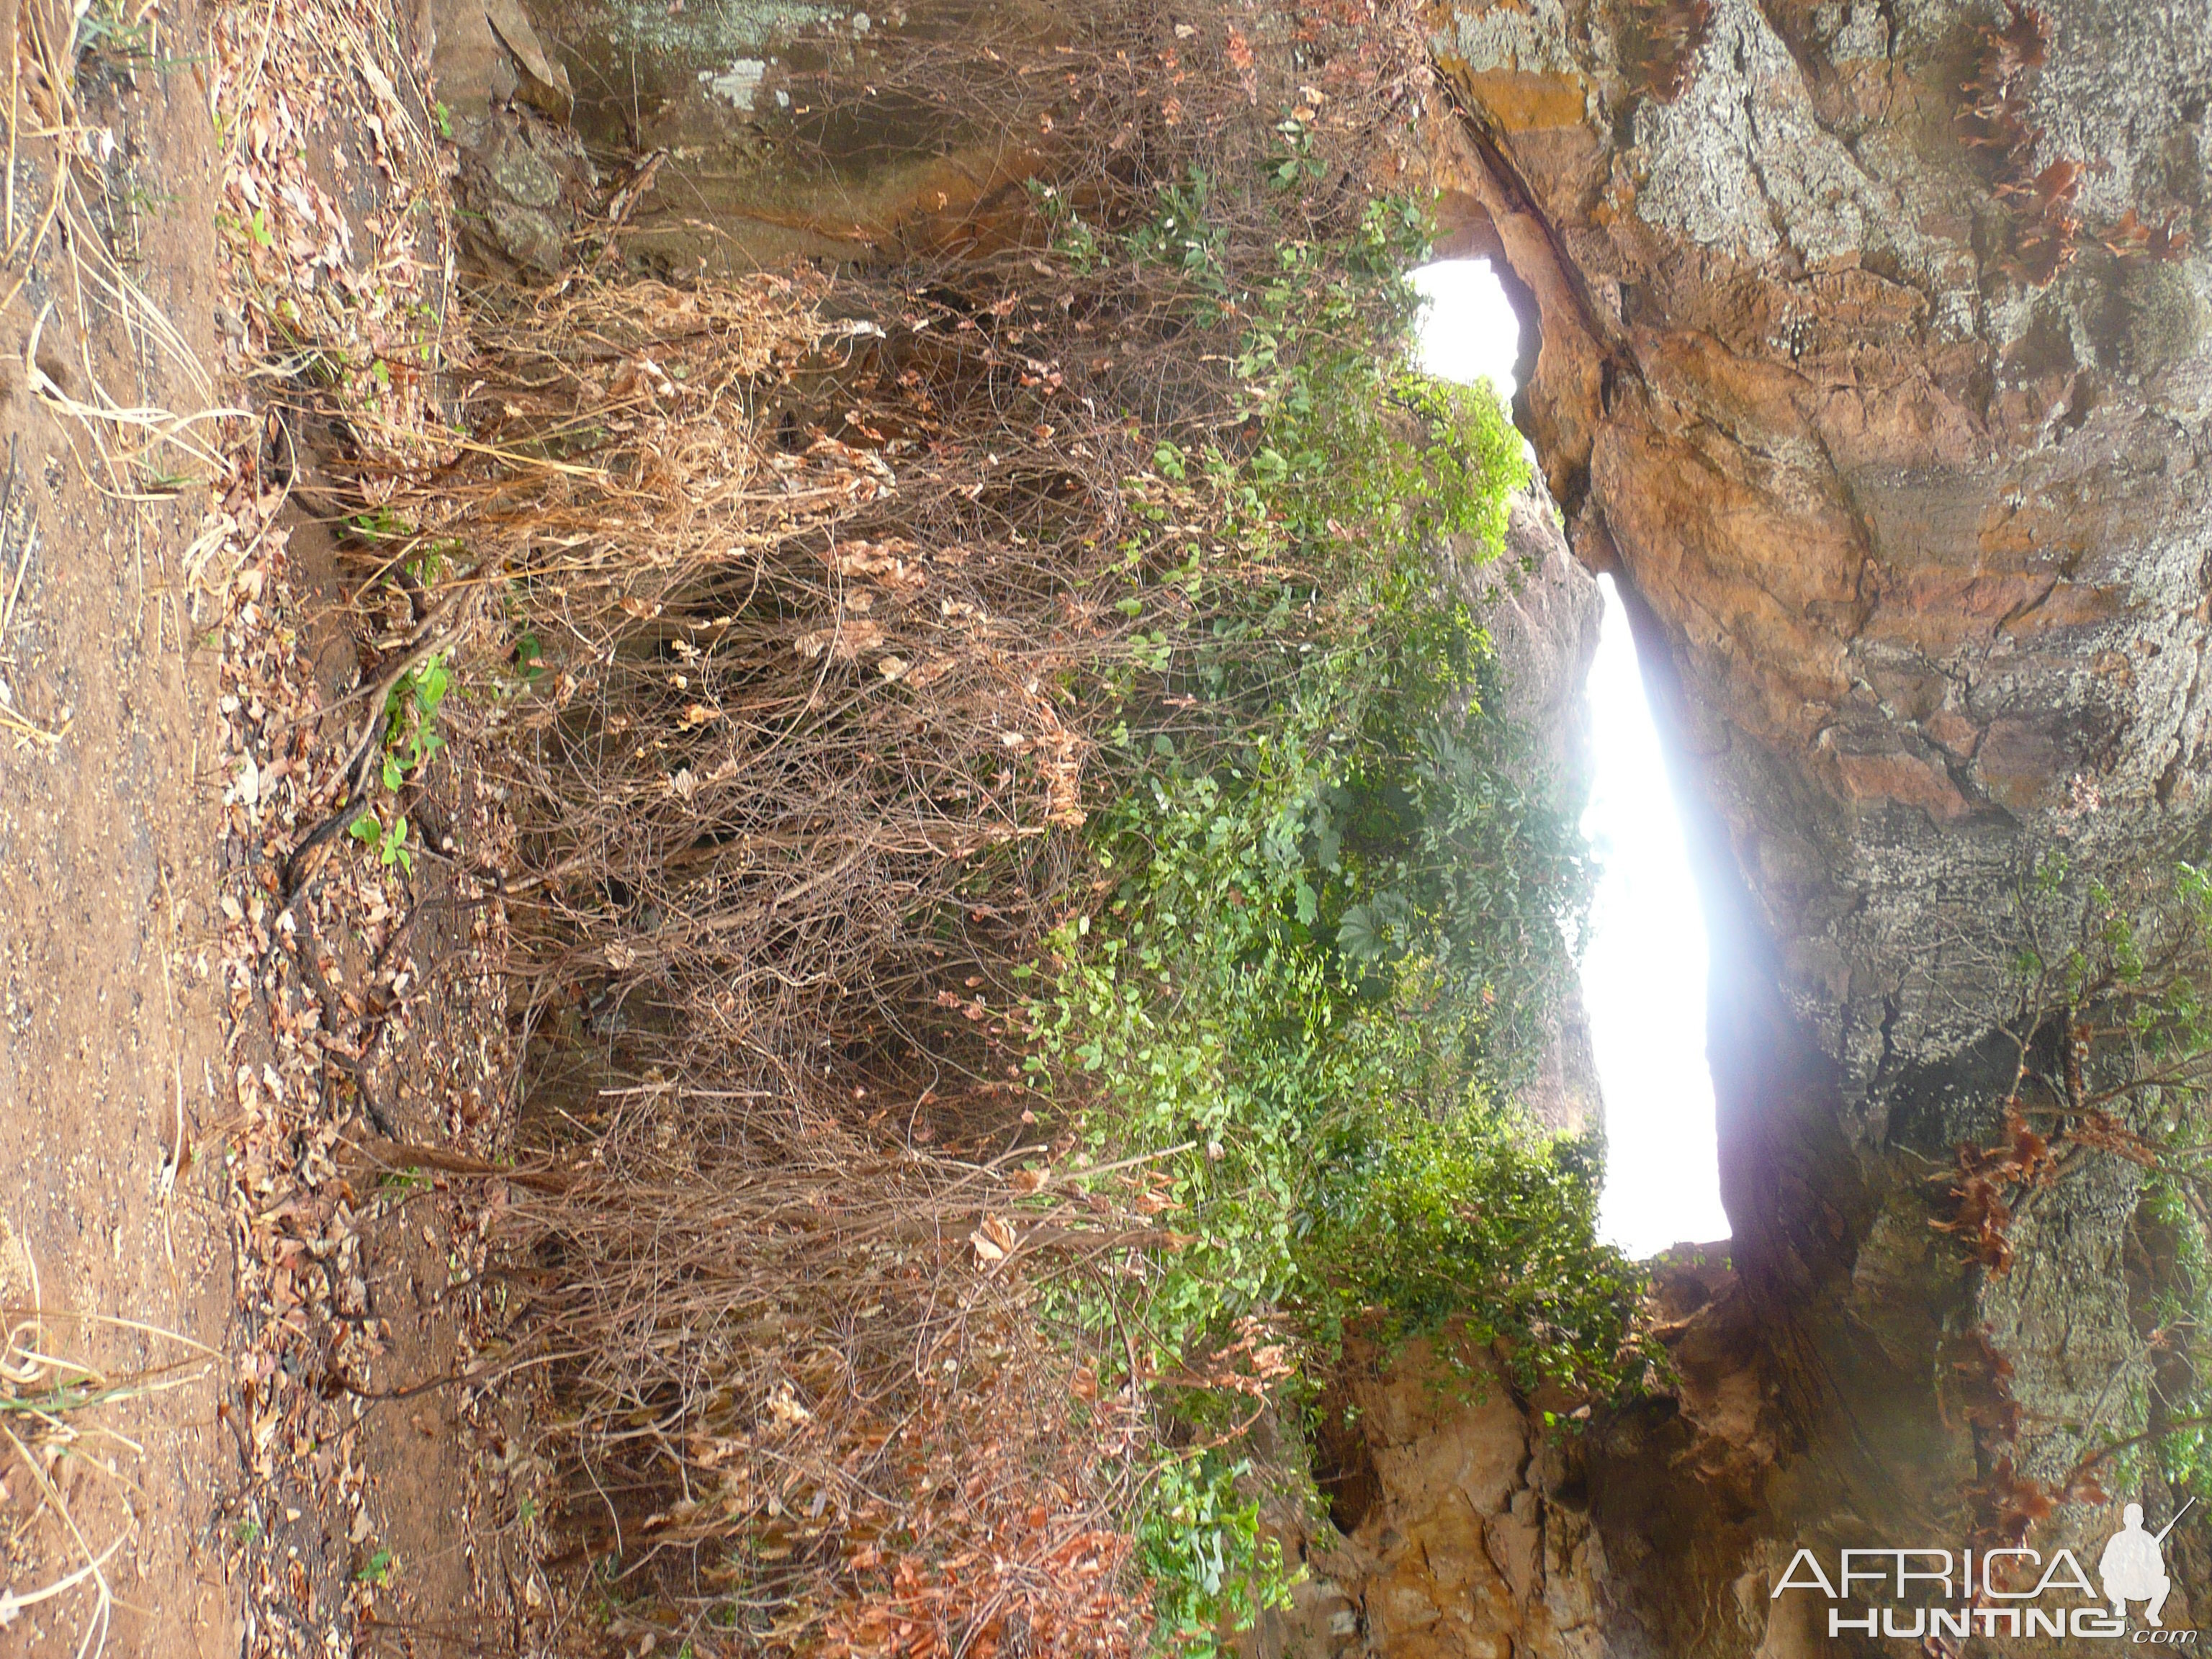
(1875, 365)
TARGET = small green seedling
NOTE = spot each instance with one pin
(411, 739)
(381, 524)
(388, 842)
(411, 712)
(529, 659)
(410, 729)
(376, 1570)
(431, 561)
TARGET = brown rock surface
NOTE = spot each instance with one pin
(1450, 1543)
(1874, 362)
(523, 177)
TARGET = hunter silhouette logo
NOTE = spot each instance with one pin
(2133, 1566)
(1937, 1594)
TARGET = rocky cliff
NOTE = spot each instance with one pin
(1874, 364)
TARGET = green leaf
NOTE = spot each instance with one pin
(393, 845)
(1358, 935)
(432, 680)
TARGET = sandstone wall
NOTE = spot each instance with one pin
(1874, 362)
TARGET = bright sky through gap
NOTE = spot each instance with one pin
(1643, 975)
(1644, 961)
(1467, 327)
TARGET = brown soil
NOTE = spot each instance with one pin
(219, 1474)
(112, 1057)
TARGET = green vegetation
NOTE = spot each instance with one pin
(411, 739)
(116, 42)
(2113, 1045)
(1337, 898)
(410, 719)
(2135, 982)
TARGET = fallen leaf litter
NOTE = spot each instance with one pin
(340, 1015)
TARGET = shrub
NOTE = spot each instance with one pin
(1330, 911)
(1041, 918)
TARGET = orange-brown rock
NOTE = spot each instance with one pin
(1449, 1544)
(1895, 424)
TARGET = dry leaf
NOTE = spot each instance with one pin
(783, 1406)
(844, 642)
(993, 1241)
(931, 671)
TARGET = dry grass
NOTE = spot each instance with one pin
(59, 265)
(133, 451)
(795, 766)
(53, 1406)
(812, 1388)
(791, 699)
(808, 637)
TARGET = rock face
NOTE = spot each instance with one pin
(523, 178)
(1876, 362)
(1450, 1544)
(794, 131)
(1542, 611)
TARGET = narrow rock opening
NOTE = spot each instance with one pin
(1344, 1464)
(1645, 972)
(1644, 959)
